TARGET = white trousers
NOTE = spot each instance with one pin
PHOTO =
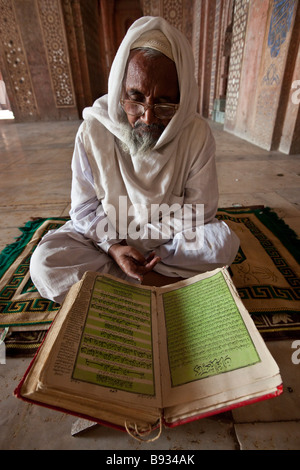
(64, 255)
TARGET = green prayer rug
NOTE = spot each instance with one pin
(25, 316)
(265, 273)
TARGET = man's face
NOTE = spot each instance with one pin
(150, 81)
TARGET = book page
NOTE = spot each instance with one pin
(206, 334)
(116, 344)
(103, 345)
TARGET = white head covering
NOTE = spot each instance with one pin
(150, 180)
(156, 40)
(183, 58)
(110, 113)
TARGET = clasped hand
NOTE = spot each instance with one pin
(131, 261)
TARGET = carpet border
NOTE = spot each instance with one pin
(268, 217)
(12, 250)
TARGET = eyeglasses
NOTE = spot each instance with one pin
(161, 111)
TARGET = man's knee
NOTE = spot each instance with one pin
(41, 271)
(38, 265)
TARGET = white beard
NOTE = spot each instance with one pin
(137, 144)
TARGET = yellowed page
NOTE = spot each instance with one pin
(116, 349)
(106, 346)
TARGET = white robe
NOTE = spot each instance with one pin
(64, 255)
(181, 169)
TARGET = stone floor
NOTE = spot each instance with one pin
(35, 181)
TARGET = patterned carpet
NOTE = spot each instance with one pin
(265, 273)
(266, 270)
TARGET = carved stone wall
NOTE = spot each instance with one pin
(54, 39)
(262, 64)
(35, 60)
(274, 62)
(236, 58)
(205, 59)
(14, 63)
(179, 13)
(55, 57)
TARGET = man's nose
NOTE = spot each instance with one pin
(149, 117)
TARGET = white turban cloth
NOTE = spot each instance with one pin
(154, 39)
(172, 171)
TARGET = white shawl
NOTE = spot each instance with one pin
(161, 177)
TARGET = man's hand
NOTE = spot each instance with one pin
(131, 261)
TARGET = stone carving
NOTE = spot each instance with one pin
(173, 12)
(16, 61)
(237, 50)
(57, 52)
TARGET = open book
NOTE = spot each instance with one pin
(135, 356)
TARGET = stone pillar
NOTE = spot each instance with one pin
(77, 52)
(206, 35)
(220, 59)
(287, 127)
(236, 60)
(215, 57)
(272, 72)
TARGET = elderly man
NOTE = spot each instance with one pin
(140, 150)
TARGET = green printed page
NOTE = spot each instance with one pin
(116, 343)
(206, 334)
